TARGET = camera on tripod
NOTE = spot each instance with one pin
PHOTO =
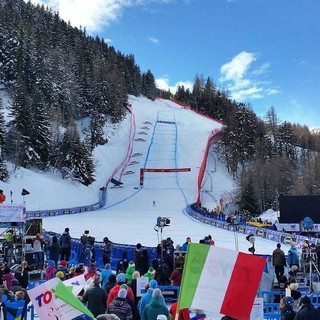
(163, 222)
(84, 237)
(309, 256)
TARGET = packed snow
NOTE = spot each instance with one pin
(167, 136)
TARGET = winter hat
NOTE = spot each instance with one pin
(112, 278)
(63, 263)
(124, 286)
(136, 275)
(156, 293)
(161, 317)
(107, 266)
(293, 286)
(153, 284)
(15, 282)
(96, 279)
(122, 293)
(51, 263)
(288, 300)
(60, 274)
(305, 300)
(131, 264)
(121, 278)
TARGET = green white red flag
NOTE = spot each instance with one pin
(220, 280)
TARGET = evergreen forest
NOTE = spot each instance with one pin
(57, 75)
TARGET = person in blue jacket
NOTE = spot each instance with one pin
(185, 245)
(293, 256)
(14, 303)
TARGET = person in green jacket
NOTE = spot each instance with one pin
(130, 270)
(156, 307)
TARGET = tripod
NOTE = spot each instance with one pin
(311, 259)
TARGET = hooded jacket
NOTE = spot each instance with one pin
(154, 308)
(308, 312)
(121, 308)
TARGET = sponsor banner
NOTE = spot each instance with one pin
(58, 212)
(250, 230)
(288, 227)
(286, 238)
(54, 300)
(219, 224)
(261, 233)
(241, 229)
(300, 239)
(226, 226)
(213, 222)
(273, 235)
(12, 213)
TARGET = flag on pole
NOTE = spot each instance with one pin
(220, 280)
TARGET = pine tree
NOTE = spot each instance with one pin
(77, 163)
(248, 200)
(4, 174)
(149, 88)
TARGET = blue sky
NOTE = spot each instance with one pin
(264, 52)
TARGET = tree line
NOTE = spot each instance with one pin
(268, 157)
(58, 75)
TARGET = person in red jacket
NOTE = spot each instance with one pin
(121, 279)
(183, 313)
(176, 275)
(2, 197)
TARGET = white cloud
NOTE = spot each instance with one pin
(253, 92)
(154, 40)
(94, 15)
(242, 83)
(237, 68)
(262, 69)
(163, 83)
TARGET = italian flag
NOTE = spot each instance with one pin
(220, 280)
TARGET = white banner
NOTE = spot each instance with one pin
(53, 300)
(12, 213)
(141, 285)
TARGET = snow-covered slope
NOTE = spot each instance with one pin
(175, 138)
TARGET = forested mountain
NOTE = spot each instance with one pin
(57, 75)
(268, 157)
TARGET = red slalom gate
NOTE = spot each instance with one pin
(143, 170)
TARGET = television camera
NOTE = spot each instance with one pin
(163, 222)
(85, 238)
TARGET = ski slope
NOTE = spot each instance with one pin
(167, 137)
